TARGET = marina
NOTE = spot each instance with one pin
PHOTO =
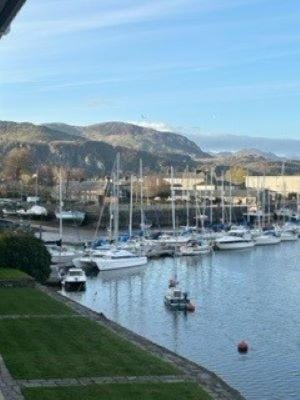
(250, 294)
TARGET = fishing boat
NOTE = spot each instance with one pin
(75, 279)
(175, 299)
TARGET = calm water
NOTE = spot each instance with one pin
(252, 295)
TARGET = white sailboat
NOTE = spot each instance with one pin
(61, 254)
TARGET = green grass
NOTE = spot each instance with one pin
(66, 348)
(156, 391)
(29, 301)
(12, 274)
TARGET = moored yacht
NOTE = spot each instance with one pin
(118, 259)
(233, 243)
(267, 238)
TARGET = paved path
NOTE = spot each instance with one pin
(101, 380)
(45, 316)
(9, 388)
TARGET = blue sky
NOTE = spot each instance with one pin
(215, 66)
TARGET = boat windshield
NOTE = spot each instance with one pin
(75, 273)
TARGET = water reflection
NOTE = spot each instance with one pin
(251, 295)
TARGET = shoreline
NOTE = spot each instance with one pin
(210, 381)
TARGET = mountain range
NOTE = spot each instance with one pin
(282, 147)
(94, 147)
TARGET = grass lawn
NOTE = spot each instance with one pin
(12, 274)
(154, 391)
(69, 348)
(29, 301)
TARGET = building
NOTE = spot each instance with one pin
(280, 184)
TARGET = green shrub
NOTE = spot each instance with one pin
(26, 253)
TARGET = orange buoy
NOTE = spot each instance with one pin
(242, 347)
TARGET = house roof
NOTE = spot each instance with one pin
(8, 11)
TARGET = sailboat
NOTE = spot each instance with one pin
(117, 258)
(61, 254)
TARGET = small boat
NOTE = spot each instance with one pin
(194, 249)
(70, 216)
(75, 279)
(175, 299)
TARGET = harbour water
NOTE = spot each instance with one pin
(251, 295)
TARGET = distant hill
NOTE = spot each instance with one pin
(284, 147)
(27, 132)
(141, 138)
(94, 147)
(248, 153)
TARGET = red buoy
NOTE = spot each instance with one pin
(242, 347)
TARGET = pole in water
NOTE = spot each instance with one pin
(242, 347)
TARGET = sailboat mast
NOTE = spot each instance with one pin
(211, 195)
(222, 199)
(173, 202)
(142, 197)
(131, 206)
(60, 207)
(230, 198)
(116, 199)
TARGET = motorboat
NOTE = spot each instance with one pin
(194, 249)
(231, 242)
(118, 259)
(267, 238)
(70, 216)
(176, 299)
(74, 279)
(288, 236)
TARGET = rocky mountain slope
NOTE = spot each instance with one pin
(94, 148)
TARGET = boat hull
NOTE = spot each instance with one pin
(261, 241)
(111, 264)
(234, 246)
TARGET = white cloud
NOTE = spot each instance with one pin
(157, 125)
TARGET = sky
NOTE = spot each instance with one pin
(211, 66)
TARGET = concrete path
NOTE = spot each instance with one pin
(100, 380)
